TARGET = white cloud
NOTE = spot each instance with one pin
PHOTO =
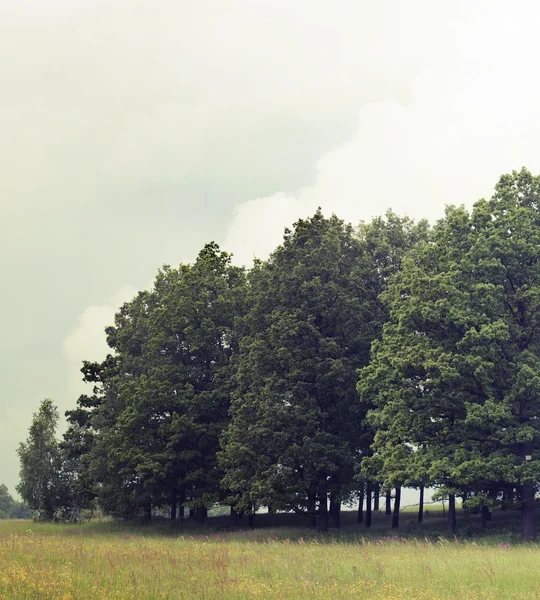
(467, 122)
(131, 128)
(86, 341)
(101, 98)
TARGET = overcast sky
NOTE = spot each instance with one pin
(134, 131)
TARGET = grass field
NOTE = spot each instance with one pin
(106, 561)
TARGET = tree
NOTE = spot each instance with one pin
(161, 403)
(10, 508)
(457, 373)
(295, 431)
(388, 241)
(42, 484)
(83, 442)
(7, 504)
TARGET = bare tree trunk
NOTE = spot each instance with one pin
(234, 517)
(360, 516)
(148, 511)
(464, 508)
(389, 502)
(368, 504)
(421, 505)
(528, 525)
(323, 504)
(485, 515)
(311, 503)
(181, 500)
(335, 512)
(397, 504)
(201, 514)
(451, 513)
(377, 498)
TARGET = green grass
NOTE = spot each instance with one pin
(106, 560)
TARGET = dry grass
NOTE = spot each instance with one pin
(57, 562)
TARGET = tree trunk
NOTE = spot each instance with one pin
(397, 503)
(389, 502)
(323, 505)
(464, 508)
(485, 515)
(311, 503)
(181, 498)
(234, 517)
(376, 498)
(201, 514)
(360, 516)
(148, 512)
(505, 498)
(528, 525)
(251, 520)
(511, 497)
(174, 506)
(335, 512)
(452, 513)
(421, 505)
(368, 504)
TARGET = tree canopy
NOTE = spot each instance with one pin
(162, 401)
(455, 377)
(43, 484)
(354, 359)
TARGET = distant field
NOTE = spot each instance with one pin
(108, 561)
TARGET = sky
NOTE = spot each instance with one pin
(133, 132)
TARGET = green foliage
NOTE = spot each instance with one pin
(10, 508)
(43, 484)
(456, 375)
(6, 503)
(160, 405)
(297, 429)
(242, 389)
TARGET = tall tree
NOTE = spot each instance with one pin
(456, 372)
(163, 400)
(388, 241)
(43, 485)
(7, 504)
(295, 430)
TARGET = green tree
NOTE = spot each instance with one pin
(7, 504)
(42, 484)
(82, 444)
(295, 430)
(457, 371)
(160, 405)
(388, 241)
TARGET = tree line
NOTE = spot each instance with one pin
(10, 508)
(354, 361)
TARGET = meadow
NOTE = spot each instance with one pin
(277, 560)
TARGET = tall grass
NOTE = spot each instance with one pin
(108, 561)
